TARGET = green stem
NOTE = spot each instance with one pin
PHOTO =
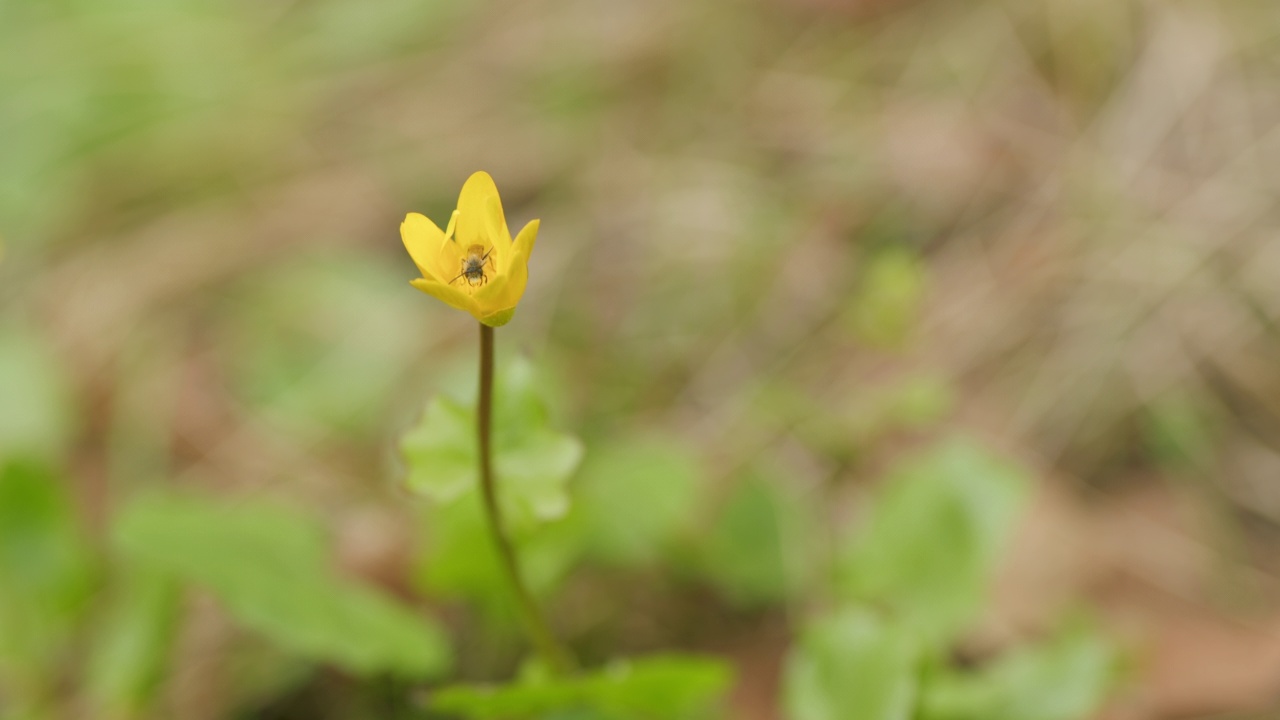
(556, 657)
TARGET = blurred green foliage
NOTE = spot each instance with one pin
(653, 482)
(675, 687)
(932, 541)
(128, 85)
(268, 567)
(132, 643)
(458, 559)
(534, 461)
(1180, 432)
(318, 344)
(183, 97)
(912, 584)
(46, 580)
(883, 311)
(911, 581)
(1066, 676)
(34, 388)
(763, 547)
(853, 664)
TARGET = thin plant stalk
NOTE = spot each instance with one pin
(553, 653)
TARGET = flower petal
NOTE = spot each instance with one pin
(499, 318)
(453, 222)
(525, 241)
(480, 218)
(449, 294)
(422, 238)
(498, 233)
(518, 272)
(493, 294)
(450, 260)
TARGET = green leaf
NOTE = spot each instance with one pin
(46, 575)
(1066, 678)
(1180, 433)
(918, 401)
(36, 419)
(761, 547)
(459, 559)
(635, 497)
(509, 701)
(534, 473)
(441, 451)
(532, 462)
(884, 309)
(911, 403)
(671, 687)
(852, 664)
(268, 565)
(132, 645)
(934, 536)
(668, 687)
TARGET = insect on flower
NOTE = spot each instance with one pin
(473, 266)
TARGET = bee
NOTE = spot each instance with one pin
(473, 266)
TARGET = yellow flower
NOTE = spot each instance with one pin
(474, 265)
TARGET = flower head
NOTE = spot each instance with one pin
(474, 265)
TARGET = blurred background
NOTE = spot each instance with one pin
(787, 246)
